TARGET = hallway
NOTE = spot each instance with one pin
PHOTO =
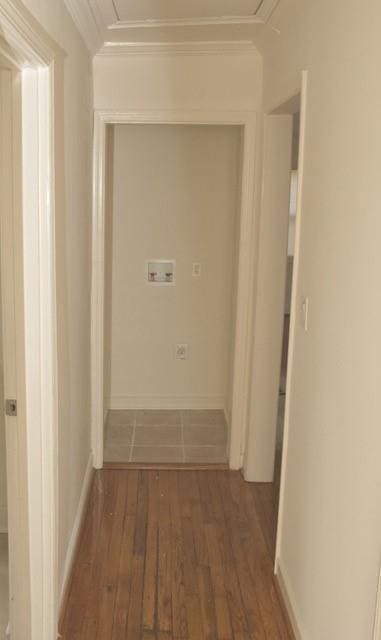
(176, 554)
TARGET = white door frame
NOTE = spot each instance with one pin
(294, 313)
(29, 256)
(245, 289)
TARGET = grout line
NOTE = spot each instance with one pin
(133, 437)
(182, 432)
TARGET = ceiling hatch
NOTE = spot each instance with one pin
(139, 13)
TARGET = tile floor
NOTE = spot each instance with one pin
(4, 585)
(188, 436)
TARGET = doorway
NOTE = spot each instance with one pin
(29, 70)
(164, 266)
(172, 219)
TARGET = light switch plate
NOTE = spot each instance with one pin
(304, 307)
(196, 269)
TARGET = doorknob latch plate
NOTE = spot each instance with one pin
(11, 407)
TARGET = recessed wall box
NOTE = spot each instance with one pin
(160, 272)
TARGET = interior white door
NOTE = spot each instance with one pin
(270, 293)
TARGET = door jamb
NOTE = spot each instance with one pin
(293, 314)
(243, 337)
(33, 52)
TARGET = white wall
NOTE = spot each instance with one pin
(176, 193)
(178, 82)
(73, 228)
(331, 524)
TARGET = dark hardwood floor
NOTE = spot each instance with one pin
(182, 555)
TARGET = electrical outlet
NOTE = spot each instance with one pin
(181, 352)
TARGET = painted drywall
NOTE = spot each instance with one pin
(330, 525)
(176, 195)
(217, 82)
(73, 233)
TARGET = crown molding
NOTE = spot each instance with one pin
(22, 31)
(86, 23)
(266, 9)
(184, 22)
(227, 47)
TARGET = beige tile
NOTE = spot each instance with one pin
(158, 417)
(123, 417)
(205, 454)
(158, 436)
(116, 434)
(157, 454)
(204, 417)
(117, 453)
(204, 435)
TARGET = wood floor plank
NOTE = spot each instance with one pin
(179, 615)
(175, 555)
(164, 607)
(151, 562)
(124, 581)
(224, 626)
(208, 611)
(134, 620)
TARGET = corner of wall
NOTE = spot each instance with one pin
(288, 597)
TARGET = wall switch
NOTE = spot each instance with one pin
(304, 312)
(196, 269)
(181, 352)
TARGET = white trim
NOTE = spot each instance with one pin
(184, 22)
(22, 32)
(165, 402)
(34, 49)
(289, 603)
(86, 23)
(293, 314)
(199, 48)
(3, 520)
(76, 530)
(40, 345)
(243, 337)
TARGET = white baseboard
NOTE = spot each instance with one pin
(3, 520)
(289, 601)
(166, 402)
(76, 528)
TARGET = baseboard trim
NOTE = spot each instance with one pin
(289, 602)
(74, 538)
(3, 520)
(166, 402)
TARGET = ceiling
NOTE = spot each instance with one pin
(168, 21)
